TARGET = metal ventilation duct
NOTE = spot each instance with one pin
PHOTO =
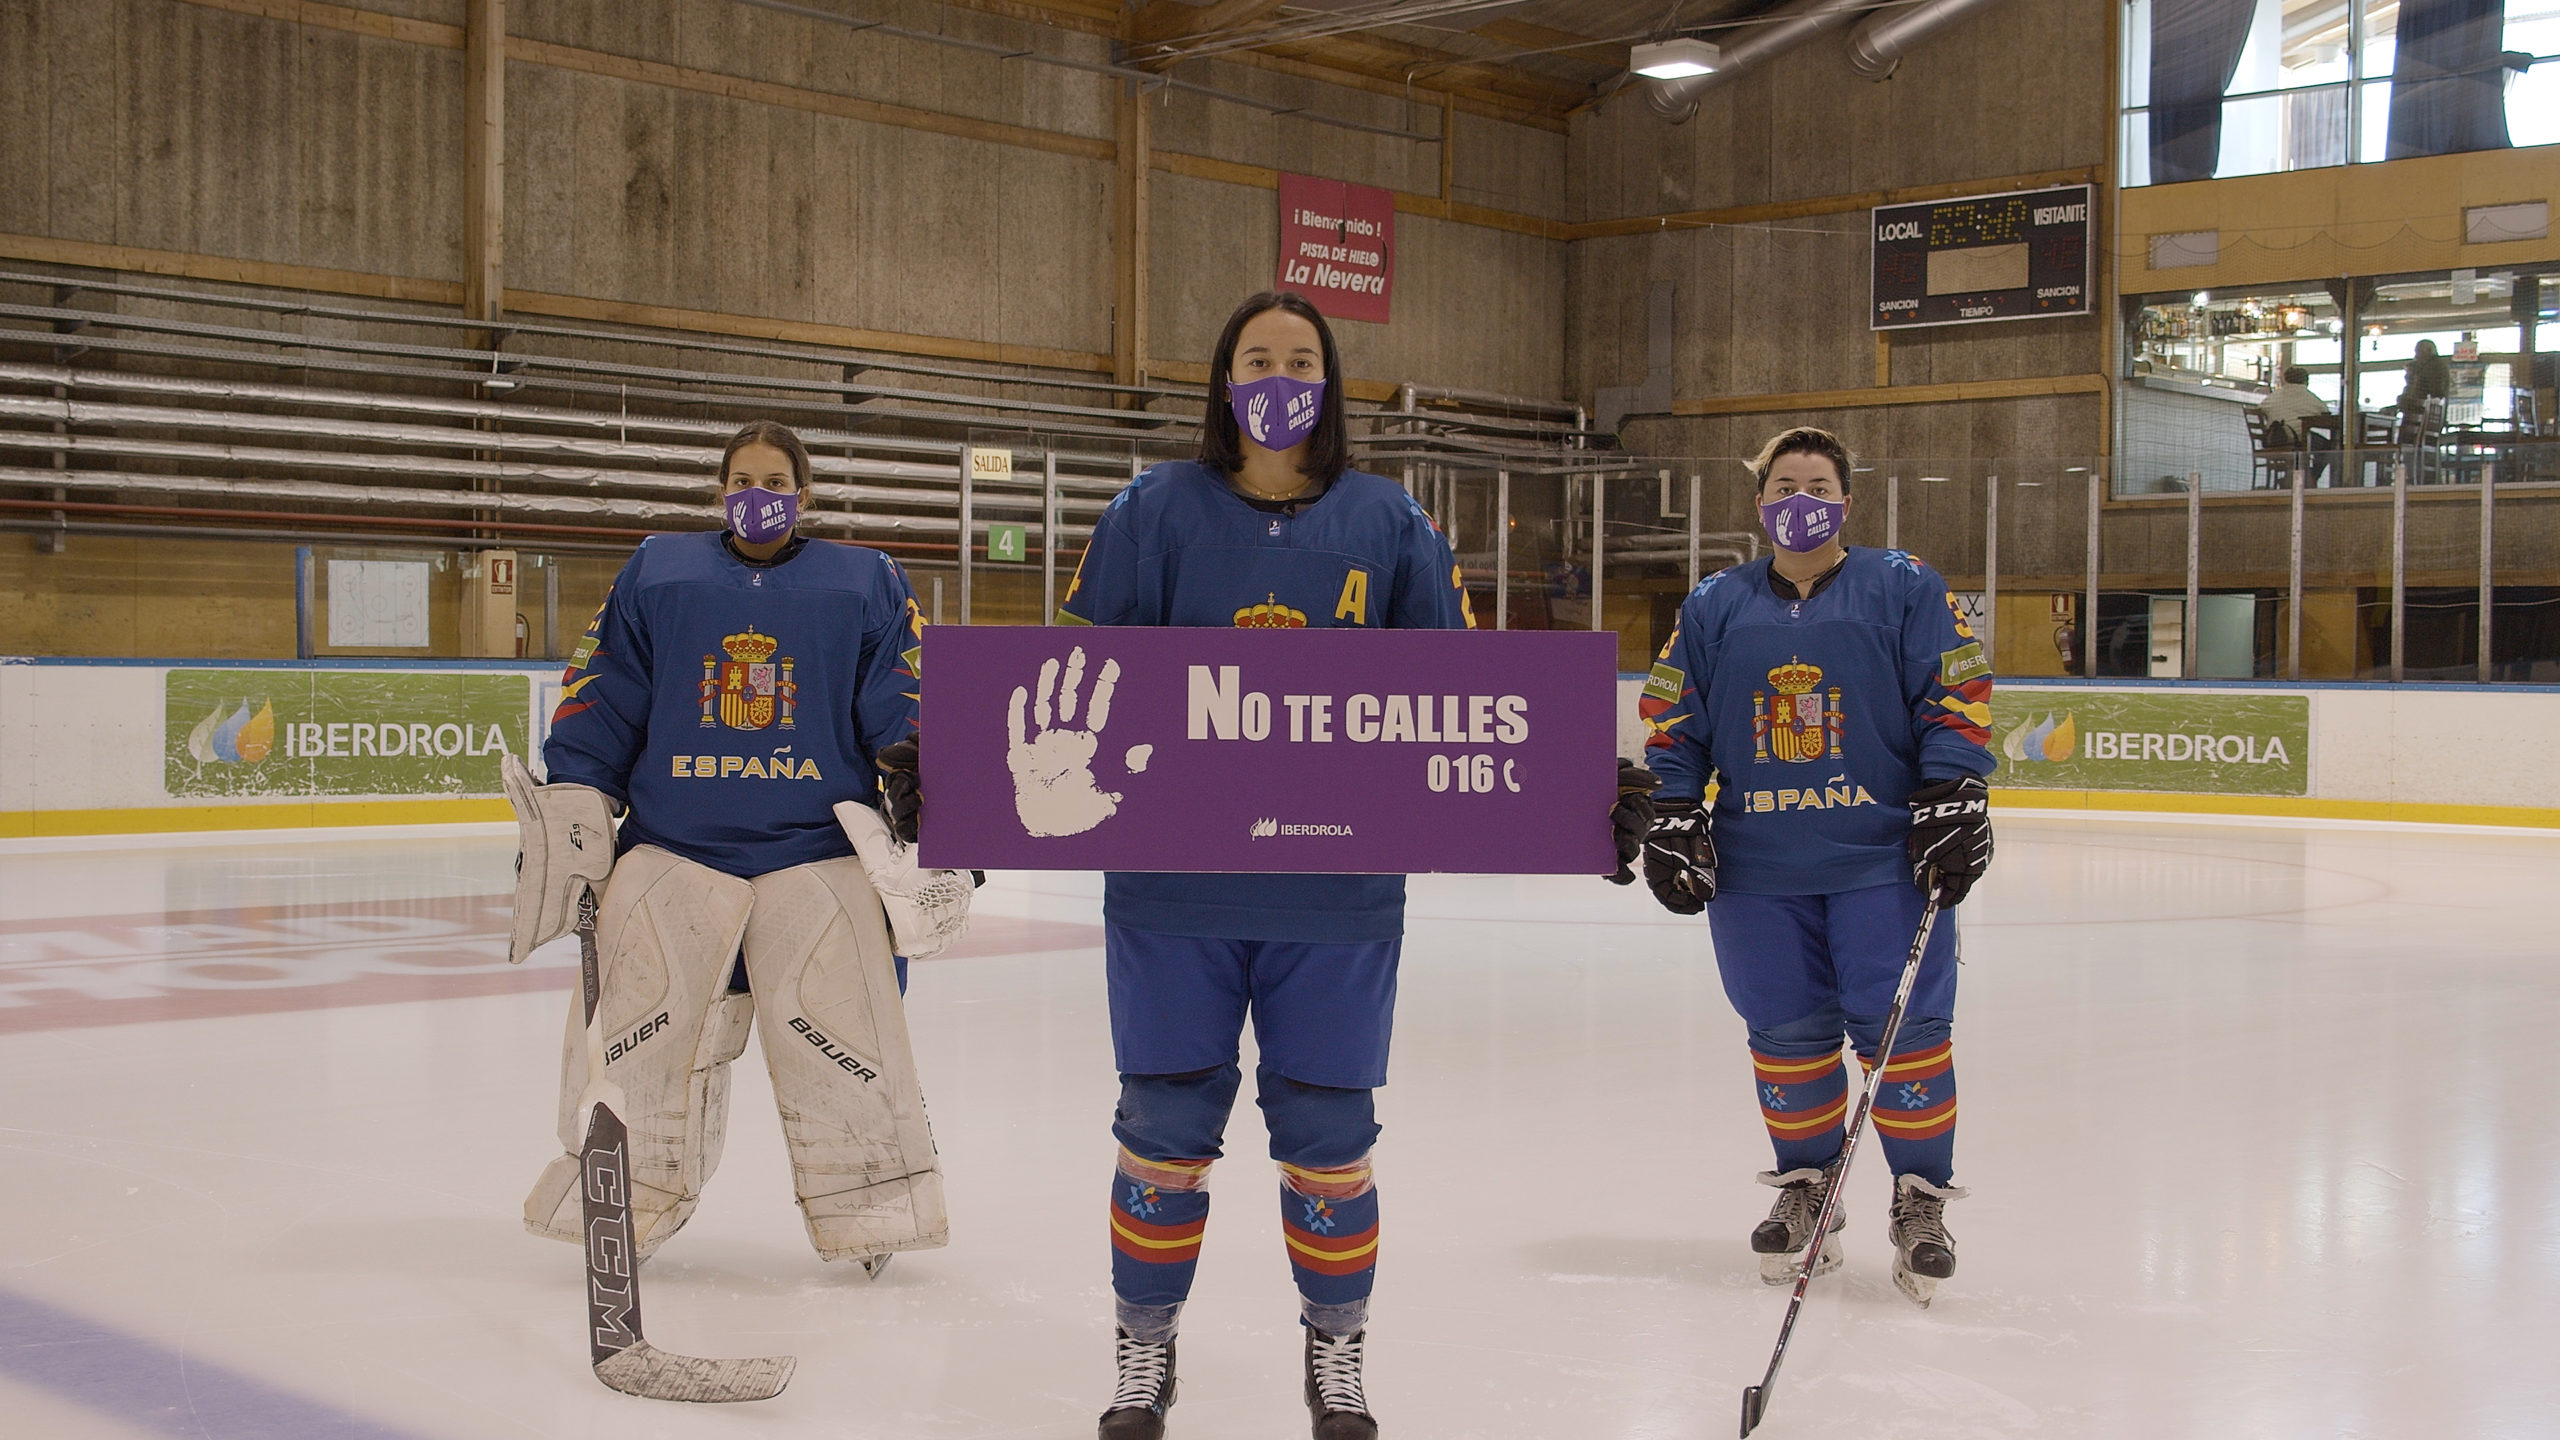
(1877, 45)
(1770, 35)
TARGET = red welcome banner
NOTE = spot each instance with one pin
(1338, 246)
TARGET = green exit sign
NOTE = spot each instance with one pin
(1007, 542)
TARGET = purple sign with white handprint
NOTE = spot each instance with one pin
(1325, 751)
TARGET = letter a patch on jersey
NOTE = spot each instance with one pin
(1354, 605)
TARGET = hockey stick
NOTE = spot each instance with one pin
(1755, 1398)
(624, 1360)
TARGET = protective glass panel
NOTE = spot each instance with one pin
(2043, 536)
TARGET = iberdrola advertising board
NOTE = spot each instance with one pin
(2194, 742)
(277, 732)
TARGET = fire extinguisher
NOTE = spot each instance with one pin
(523, 635)
(2066, 639)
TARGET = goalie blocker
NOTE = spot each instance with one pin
(816, 945)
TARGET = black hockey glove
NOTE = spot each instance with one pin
(1951, 833)
(1680, 856)
(901, 803)
(1631, 817)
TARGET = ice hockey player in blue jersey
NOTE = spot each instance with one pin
(1841, 706)
(1269, 527)
(730, 700)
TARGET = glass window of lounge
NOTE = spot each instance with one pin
(2484, 325)
(2246, 338)
(2217, 88)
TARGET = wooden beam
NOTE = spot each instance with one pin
(1830, 204)
(809, 332)
(341, 17)
(1129, 239)
(484, 158)
(1946, 394)
(44, 250)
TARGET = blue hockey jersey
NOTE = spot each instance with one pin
(731, 706)
(1180, 547)
(1817, 718)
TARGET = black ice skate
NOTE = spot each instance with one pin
(1336, 1405)
(1144, 1393)
(1779, 1241)
(1923, 1252)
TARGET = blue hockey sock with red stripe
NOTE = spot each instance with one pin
(1329, 1219)
(1804, 1100)
(1159, 1212)
(1915, 1114)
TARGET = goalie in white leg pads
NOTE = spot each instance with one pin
(731, 692)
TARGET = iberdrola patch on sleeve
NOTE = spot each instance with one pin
(1664, 683)
(1961, 664)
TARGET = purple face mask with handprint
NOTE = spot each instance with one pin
(1802, 522)
(1276, 412)
(758, 515)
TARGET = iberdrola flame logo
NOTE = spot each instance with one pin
(238, 738)
(2046, 739)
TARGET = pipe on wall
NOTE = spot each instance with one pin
(1879, 42)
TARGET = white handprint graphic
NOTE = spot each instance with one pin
(1053, 786)
(1256, 411)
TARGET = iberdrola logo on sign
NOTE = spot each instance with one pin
(2045, 739)
(236, 738)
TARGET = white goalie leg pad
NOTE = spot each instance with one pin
(844, 1072)
(564, 843)
(667, 933)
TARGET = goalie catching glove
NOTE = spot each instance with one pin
(1951, 834)
(928, 909)
(564, 843)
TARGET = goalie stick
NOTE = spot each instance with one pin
(623, 1358)
(1755, 1398)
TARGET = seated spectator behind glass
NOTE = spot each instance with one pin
(2290, 405)
(2291, 415)
(2429, 376)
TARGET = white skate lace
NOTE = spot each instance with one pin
(1798, 1204)
(1142, 1367)
(1920, 1218)
(1336, 1366)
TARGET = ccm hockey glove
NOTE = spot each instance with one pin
(1631, 817)
(901, 802)
(1680, 856)
(1951, 833)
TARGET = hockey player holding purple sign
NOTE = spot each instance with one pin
(1268, 528)
(1842, 706)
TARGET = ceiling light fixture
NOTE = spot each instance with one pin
(1674, 59)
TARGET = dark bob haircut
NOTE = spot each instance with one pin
(1801, 440)
(780, 437)
(1222, 445)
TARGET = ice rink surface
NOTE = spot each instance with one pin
(2258, 1122)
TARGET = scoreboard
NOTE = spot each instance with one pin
(2020, 256)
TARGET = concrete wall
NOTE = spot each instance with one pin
(1780, 306)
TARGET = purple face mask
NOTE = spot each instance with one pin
(1275, 411)
(757, 515)
(1802, 522)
